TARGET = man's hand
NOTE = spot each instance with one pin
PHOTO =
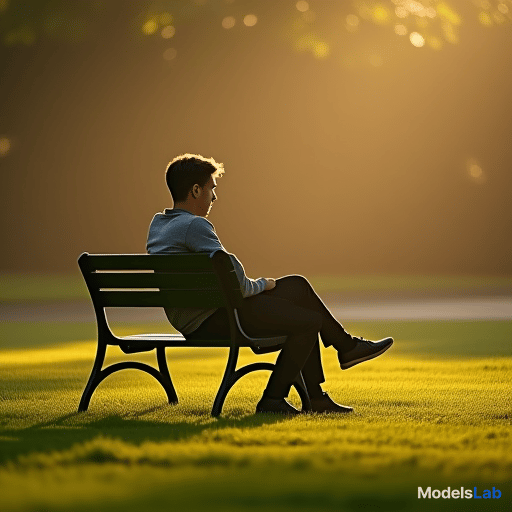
(271, 283)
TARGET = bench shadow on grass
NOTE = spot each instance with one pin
(62, 433)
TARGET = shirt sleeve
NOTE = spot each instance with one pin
(201, 237)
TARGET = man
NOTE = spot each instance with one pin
(285, 306)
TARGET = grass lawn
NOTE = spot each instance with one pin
(433, 411)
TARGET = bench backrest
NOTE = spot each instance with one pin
(197, 280)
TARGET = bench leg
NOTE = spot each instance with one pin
(93, 381)
(98, 375)
(231, 377)
(166, 376)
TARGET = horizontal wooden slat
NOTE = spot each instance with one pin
(188, 280)
(168, 262)
(179, 299)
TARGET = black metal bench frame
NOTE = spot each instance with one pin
(199, 280)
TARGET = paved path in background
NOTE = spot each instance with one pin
(474, 308)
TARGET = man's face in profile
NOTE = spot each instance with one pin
(207, 197)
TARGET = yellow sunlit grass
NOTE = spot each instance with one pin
(439, 419)
(250, 20)
(485, 19)
(417, 39)
(168, 32)
(302, 6)
(5, 146)
(150, 27)
(447, 13)
(228, 22)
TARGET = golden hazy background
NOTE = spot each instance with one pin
(357, 137)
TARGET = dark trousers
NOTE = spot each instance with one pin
(293, 309)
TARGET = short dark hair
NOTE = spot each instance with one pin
(184, 171)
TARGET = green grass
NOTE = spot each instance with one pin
(433, 411)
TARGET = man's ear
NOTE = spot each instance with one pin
(196, 191)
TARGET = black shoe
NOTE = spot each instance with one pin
(276, 405)
(363, 351)
(325, 404)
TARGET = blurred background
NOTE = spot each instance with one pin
(357, 137)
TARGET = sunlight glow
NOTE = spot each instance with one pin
(446, 12)
(168, 32)
(228, 22)
(380, 14)
(417, 39)
(150, 27)
(485, 19)
(321, 50)
(250, 20)
(5, 146)
(302, 6)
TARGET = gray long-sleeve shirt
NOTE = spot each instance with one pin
(179, 231)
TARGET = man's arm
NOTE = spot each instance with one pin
(201, 237)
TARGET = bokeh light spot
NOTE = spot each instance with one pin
(250, 20)
(498, 17)
(150, 27)
(446, 12)
(321, 50)
(434, 42)
(302, 6)
(165, 18)
(5, 146)
(168, 32)
(401, 30)
(417, 39)
(170, 54)
(352, 20)
(449, 33)
(3, 5)
(485, 19)
(401, 11)
(431, 12)
(503, 8)
(475, 171)
(380, 14)
(228, 22)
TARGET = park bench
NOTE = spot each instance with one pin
(196, 280)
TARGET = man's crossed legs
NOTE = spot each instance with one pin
(293, 308)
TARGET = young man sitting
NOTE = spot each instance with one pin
(284, 306)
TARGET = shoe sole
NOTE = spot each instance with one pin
(346, 366)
